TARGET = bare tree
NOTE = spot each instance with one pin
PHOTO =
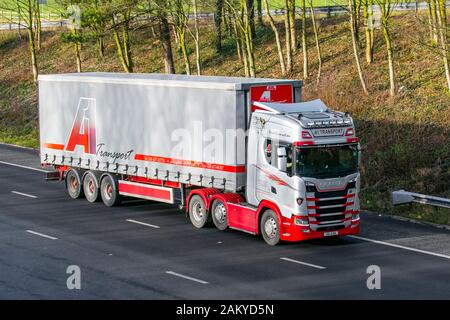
(293, 31)
(352, 14)
(316, 37)
(304, 41)
(180, 20)
(442, 31)
(197, 38)
(287, 27)
(386, 8)
(277, 37)
(369, 28)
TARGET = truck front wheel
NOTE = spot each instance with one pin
(270, 228)
(219, 215)
(109, 191)
(197, 212)
(73, 184)
(90, 187)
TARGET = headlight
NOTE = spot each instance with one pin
(300, 221)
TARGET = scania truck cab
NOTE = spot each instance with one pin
(303, 158)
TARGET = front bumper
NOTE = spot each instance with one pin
(292, 232)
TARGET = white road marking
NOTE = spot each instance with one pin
(143, 223)
(401, 247)
(24, 194)
(42, 235)
(23, 167)
(186, 277)
(303, 263)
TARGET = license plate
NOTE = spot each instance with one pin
(328, 132)
(330, 233)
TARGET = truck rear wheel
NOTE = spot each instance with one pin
(197, 212)
(73, 184)
(219, 215)
(109, 191)
(90, 187)
(270, 228)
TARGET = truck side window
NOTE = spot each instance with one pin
(289, 160)
(270, 152)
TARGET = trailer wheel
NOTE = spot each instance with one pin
(90, 187)
(197, 212)
(219, 215)
(73, 184)
(270, 228)
(109, 191)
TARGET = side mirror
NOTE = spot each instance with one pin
(282, 159)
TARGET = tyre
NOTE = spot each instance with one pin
(73, 184)
(270, 228)
(90, 187)
(197, 212)
(109, 191)
(219, 215)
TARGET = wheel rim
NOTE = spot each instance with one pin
(91, 186)
(73, 183)
(220, 213)
(197, 211)
(270, 228)
(108, 191)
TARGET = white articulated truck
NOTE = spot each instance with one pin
(241, 153)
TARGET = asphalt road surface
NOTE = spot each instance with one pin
(148, 250)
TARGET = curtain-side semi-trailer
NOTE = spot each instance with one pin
(241, 153)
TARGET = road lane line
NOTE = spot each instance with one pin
(23, 167)
(24, 194)
(186, 277)
(143, 223)
(42, 235)
(401, 247)
(303, 263)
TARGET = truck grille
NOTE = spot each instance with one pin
(330, 210)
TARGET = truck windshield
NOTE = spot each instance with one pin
(326, 162)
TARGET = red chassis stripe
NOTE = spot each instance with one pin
(189, 163)
(145, 191)
(54, 146)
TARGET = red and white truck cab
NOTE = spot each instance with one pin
(292, 175)
(304, 166)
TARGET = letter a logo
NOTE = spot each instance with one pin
(83, 128)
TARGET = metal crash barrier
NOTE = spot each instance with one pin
(403, 197)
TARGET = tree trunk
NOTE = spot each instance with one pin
(277, 37)
(368, 32)
(187, 63)
(293, 31)
(433, 20)
(197, 39)
(304, 42)
(251, 16)
(316, 36)
(247, 25)
(101, 46)
(31, 39)
(218, 24)
(442, 23)
(166, 44)
(38, 25)
(259, 12)
(288, 37)
(351, 10)
(387, 39)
